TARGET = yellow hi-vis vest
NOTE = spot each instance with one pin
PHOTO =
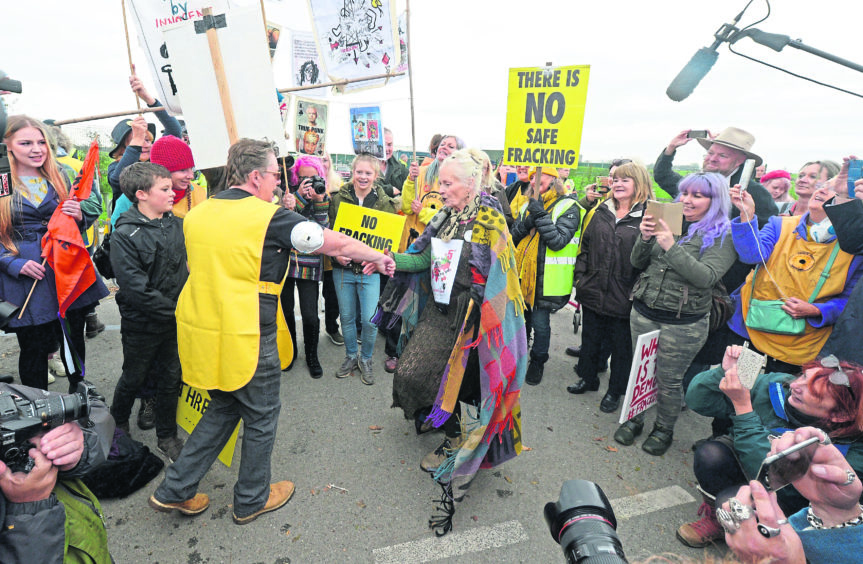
(559, 266)
(218, 325)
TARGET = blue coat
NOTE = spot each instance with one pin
(30, 224)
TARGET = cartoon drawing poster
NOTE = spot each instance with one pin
(306, 63)
(311, 131)
(367, 131)
(356, 38)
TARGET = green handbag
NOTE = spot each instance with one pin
(767, 316)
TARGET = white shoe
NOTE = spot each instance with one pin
(55, 367)
(51, 378)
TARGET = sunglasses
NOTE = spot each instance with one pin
(839, 377)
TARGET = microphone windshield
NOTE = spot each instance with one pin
(688, 78)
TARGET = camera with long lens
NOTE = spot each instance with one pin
(22, 419)
(10, 85)
(582, 522)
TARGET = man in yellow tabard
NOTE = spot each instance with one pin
(238, 244)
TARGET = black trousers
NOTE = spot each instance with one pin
(150, 356)
(308, 291)
(331, 303)
(38, 341)
(600, 333)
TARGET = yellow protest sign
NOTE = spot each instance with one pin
(544, 115)
(191, 406)
(379, 230)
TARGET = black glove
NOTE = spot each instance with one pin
(529, 222)
(535, 208)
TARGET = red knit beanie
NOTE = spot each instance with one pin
(772, 174)
(172, 153)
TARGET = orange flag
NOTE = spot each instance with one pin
(63, 246)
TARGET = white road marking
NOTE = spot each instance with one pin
(453, 544)
(512, 532)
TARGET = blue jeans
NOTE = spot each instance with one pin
(353, 290)
(258, 405)
(539, 319)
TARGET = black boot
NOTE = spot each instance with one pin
(535, 369)
(93, 325)
(310, 338)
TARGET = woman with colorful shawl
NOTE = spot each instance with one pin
(468, 343)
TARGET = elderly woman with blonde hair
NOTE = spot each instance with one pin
(467, 340)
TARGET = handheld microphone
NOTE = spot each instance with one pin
(688, 78)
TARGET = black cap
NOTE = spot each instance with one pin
(122, 129)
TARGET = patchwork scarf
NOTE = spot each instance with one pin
(527, 253)
(495, 328)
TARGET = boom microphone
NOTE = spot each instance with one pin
(688, 78)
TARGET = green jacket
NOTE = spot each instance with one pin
(678, 280)
(346, 194)
(750, 430)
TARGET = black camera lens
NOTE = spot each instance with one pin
(582, 522)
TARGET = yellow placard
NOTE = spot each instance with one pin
(191, 405)
(379, 230)
(544, 115)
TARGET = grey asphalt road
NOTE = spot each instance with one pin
(361, 496)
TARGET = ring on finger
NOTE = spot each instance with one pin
(739, 511)
(850, 477)
(727, 521)
(768, 532)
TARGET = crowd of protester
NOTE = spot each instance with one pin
(464, 304)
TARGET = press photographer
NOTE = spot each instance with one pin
(48, 514)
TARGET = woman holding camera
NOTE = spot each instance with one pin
(358, 293)
(828, 394)
(674, 294)
(38, 188)
(307, 195)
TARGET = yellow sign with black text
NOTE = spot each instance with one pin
(191, 405)
(379, 230)
(544, 115)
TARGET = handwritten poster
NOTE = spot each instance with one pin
(641, 392)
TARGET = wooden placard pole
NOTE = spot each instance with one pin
(208, 25)
(128, 52)
(408, 38)
(537, 176)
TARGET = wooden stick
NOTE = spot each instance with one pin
(282, 90)
(266, 32)
(410, 79)
(33, 287)
(342, 82)
(221, 81)
(108, 115)
(128, 50)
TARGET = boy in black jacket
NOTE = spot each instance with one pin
(148, 254)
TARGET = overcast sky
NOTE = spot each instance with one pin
(71, 57)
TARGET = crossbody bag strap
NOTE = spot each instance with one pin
(825, 274)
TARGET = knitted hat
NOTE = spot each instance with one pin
(172, 153)
(549, 170)
(775, 174)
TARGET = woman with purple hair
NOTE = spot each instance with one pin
(674, 294)
(306, 271)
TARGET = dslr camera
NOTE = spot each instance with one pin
(318, 184)
(22, 419)
(582, 522)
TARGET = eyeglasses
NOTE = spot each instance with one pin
(275, 173)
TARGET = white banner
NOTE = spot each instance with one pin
(641, 392)
(356, 39)
(150, 17)
(249, 76)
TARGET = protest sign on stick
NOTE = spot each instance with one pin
(544, 115)
(150, 19)
(641, 391)
(378, 229)
(247, 78)
(306, 63)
